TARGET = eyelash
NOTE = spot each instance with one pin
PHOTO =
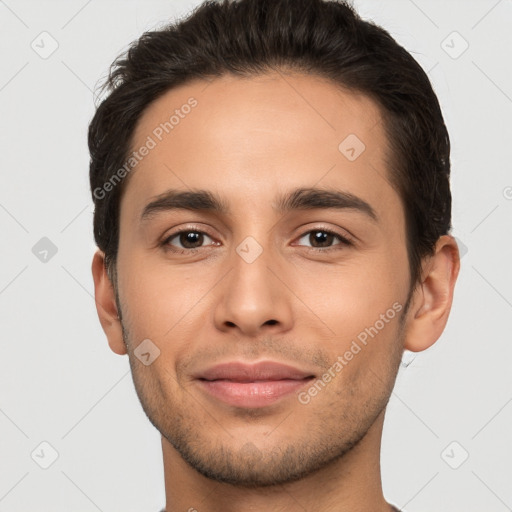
(344, 241)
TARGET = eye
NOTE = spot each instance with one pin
(190, 239)
(324, 238)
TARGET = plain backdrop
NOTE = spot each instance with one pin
(447, 437)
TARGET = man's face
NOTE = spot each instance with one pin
(256, 283)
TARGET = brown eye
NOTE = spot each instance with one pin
(189, 240)
(322, 239)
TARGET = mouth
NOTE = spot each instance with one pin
(252, 386)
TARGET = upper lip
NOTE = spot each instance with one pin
(244, 372)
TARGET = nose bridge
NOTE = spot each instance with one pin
(254, 251)
(251, 278)
(252, 296)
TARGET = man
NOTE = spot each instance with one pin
(272, 211)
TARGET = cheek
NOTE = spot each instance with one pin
(162, 302)
(356, 293)
(360, 303)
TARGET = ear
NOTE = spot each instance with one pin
(106, 304)
(432, 299)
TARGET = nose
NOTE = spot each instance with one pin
(252, 299)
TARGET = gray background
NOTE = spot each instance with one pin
(61, 384)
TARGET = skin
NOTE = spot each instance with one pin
(248, 140)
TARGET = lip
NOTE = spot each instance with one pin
(252, 385)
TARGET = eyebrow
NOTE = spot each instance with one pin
(298, 199)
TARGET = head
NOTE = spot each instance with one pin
(259, 115)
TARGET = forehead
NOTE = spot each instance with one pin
(247, 138)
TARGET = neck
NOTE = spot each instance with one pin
(351, 483)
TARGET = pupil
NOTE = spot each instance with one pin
(321, 236)
(190, 238)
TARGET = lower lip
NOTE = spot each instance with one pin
(252, 394)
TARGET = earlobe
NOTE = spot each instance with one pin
(432, 299)
(106, 304)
